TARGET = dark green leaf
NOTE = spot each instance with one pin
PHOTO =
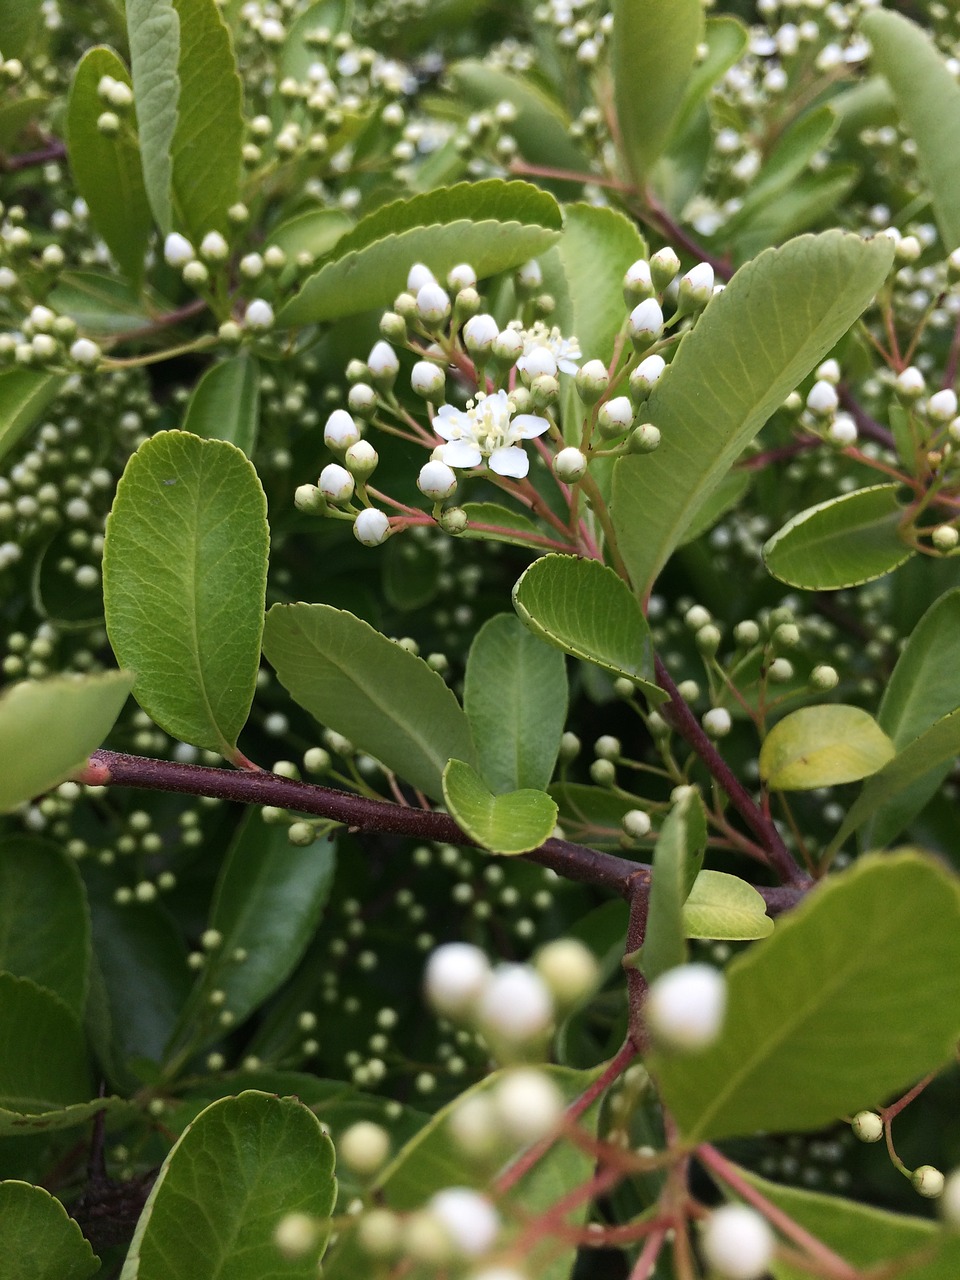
(26, 1123)
(489, 522)
(677, 858)
(16, 115)
(40, 1241)
(21, 22)
(822, 747)
(511, 823)
(23, 397)
(316, 232)
(225, 404)
(410, 571)
(43, 1067)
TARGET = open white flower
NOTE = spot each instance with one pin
(565, 351)
(488, 428)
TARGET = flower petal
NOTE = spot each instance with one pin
(528, 425)
(509, 460)
(449, 422)
(461, 453)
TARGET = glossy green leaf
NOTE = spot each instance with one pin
(591, 813)
(515, 697)
(24, 1124)
(653, 51)
(841, 542)
(936, 746)
(755, 342)
(40, 1240)
(225, 404)
(355, 681)
(297, 55)
(724, 906)
(188, 102)
(184, 578)
(269, 899)
(21, 22)
(583, 608)
(845, 1003)
(240, 1167)
(809, 201)
(677, 858)
(23, 397)
(99, 303)
(493, 225)
(724, 41)
(44, 1066)
(512, 823)
(107, 170)
(821, 747)
(864, 1235)
(922, 689)
(44, 922)
(928, 103)
(49, 727)
(489, 522)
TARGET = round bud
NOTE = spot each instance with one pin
(259, 315)
(543, 391)
(466, 304)
(428, 380)
(942, 405)
(644, 439)
(529, 278)
(177, 250)
(474, 1126)
(456, 975)
(829, 371)
(696, 288)
(697, 616)
(603, 773)
(685, 1007)
(746, 633)
(528, 1104)
(364, 1147)
(230, 333)
(296, 1235)
(944, 536)
(433, 303)
(85, 352)
(867, 1126)
(592, 381)
(462, 276)
(568, 968)
(822, 399)
(537, 363)
(910, 384)
(569, 747)
(480, 333)
(607, 747)
(786, 635)
(636, 823)
(645, 377)
(615, 416)
(371, 527)
(213, 247)
(824, 678)
(426, 1240)
(274, 258)
(717, 722)
(516, 1004)
(928, 1181)
(470, 1221)
(664, 266)
(638, 282)
(361, 460)
(393, 327)
(379, 1233)
(843, 431)
(908, 249)
(780, 670)
(645, 323)
(437, 481)
(950, 1201)
(108, 123)
(251, 266)
(336, 483)
(362, 400)
(738, 1243)
(418, 276)
(570, 465)
(340, 430)
(508, 345)
(708, 639)
(195, 273)
(454, 521)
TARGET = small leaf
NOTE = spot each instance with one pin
(677, 858)
(511, 823)
(49, 727)
(385, 700)
(297, 56)
(316, 232)
(778, 316)
(489, 522)
(493, 225)
(44, 922)
(225, 404)
(654, 49)
(847, 1002)
(515, 697)
(583, 608)
(724, 906)
(107, 170)
(43, 1067)
(16, 115)
(928, 103)
(841, 542)
(822, 747)
(240, 1167)
(184, 579)
(40, 1240)
(23, 397)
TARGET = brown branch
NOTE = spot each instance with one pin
(54, 150)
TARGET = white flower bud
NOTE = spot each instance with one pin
(436, 480)
(738, 1243)
(508, 345)
(336, 483)
(910, 384)
(867, 1126)
(780, 670)
(361, 460)
(462, 276)
(371, 527)
(696, 285)
(251, 266)
(259, 315)
(364, 1147)
(418, 276)
(537, 363)
(568, 967)
(308, 498)
(362, 400)
(44, 346)
(746, 633)
(843, 431)
(638, 281)
(685, 1007)
(85, 352)
(664, 265)
(341, 430)
(950, 1201)
(516, 1003)
(108, 123)
(528, 1104)
(822, 399)
(383, 363)
(296, 1235)
(908, 249)
(942, 405)
(644, 439)
(468, 1218)
(427, 379)
(456, 975)
(474, 1126)
(213, 247)
(177, 250)
(480, 333)
(824, 677)
(570, 465)
(717, 722)
(636, 823)
(433, 303)
(530, 276)
(928, 1181)
(945, 537)
(592, 381)
(829, 371)
(646, 376)
(497, 1273)
(645, 324)
(195, 273)
(615, 416)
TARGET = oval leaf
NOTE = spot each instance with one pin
(778, 316)
(44, 1066)
(40, 1240)
(23, 397)
(354, 680)
(724, 906)
(240, 1167)
(184, 579)
(845, 1003)
(582, 607)
(821, 747)
(493, 225)
(841, 542)
(225, 404)
(48, 728)
(511, 823)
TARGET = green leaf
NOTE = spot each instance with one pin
(24, 1124)
(240, 1167)
(184, 579)
(387, 701)
(493, 225)
(489, 522)
(582, 607)
(847, 1002)
(225, 404)
(724, 40)
(16, 115)
(107, 170)
(928, 103)
(44, 922)
(515, 697)
(511, 823)
(410, 573)
(269, 899)
(316, 232)
(922, 689)
(653, 51)
(188, 102)
(677, 858)
(40, 1240)
(297, 56)
(595, 813)
(21, 22)
(44, 1065)
(49, 727)
(809, 201)
(821, 747)
(936, 746)
(100, 304)
(23, 397)
(729, 493)
(724, 906)
(778, 316)
(841, 542)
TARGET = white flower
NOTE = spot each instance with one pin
(469, 1219)
(177, 250)
(685, 1006)
(371, 527)
(489, 429)
(541, 342)
(737, 1243)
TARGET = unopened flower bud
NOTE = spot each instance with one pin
(296, 1235)
(645, 324)
(480, 333)
(428, 380)
(462, 276)
(737, 1243)
(340, 431)
(910, 384)
(362, 400)
(371, 527)
(108, 124)
(528, 1104)
(508, 345)
(645, 377)
(664, 266)
(843, 431)
(364, 1147)
(717, 722)
(456, 975)
(454, 521)
(867, 1126)
(638, 282)
(195, 273)
(685, 1007)
(336, 483)
(592, 381)
(568, 967)
(259, 315)
(177, 250)
(944, 537)
(529, 278)
(433, 303)
(251, 266)
(393, 327)
(822, 399)
(361, 460)
(942, 405)
(928, 1181)
(636, 823)
(85, 352)
(308, 498)
(213, 247)
(470, 1221)
(437, 481)
(418, 276)
(615, 416)
(696, 288)
(644, 439)
(516, 1004)
(570, 465)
